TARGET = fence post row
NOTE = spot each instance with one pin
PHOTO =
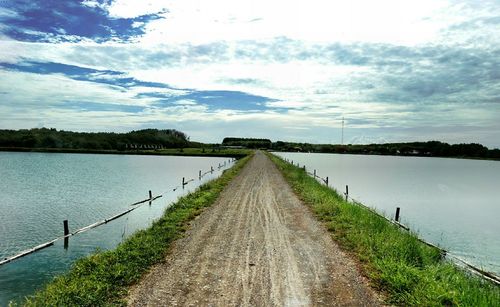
(481, 272)
(67, 233)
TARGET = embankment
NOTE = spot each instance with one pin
(258, 245)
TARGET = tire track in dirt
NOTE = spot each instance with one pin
(258, 245)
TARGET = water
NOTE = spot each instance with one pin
(38, 191)
(454, 203)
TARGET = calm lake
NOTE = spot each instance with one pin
(40, 190)
(454, 203)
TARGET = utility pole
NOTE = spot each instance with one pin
(342, 130)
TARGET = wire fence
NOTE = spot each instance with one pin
(474, 269)
(133, 206)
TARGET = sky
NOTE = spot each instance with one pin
(394, 70)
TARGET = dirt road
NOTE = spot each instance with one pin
(258, 245)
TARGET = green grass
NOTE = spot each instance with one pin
(224, 152)
(409, 272)
(103, 278)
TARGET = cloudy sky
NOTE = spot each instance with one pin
(396, 70)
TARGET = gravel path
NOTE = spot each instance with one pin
(258, 245)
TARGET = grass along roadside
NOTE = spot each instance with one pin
(103, 278)
(396, 262)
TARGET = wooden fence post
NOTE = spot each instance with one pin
(66, 227)
(346, 192)
(314, 174)
(326, 181)
(397, 214)
(66, 232)
(183, 182)
(199, 175)
(150, 194)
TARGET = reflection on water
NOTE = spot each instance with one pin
(454, 203)
(38, 191)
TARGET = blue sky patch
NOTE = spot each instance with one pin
(110, 77)
(42, 21)
(214, 100)
(221, 100)
(74, 72)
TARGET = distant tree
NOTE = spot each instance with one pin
(247, 142)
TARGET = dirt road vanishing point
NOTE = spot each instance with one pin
(258, 245)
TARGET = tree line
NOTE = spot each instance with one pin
(430, 149)
(247, 142)
(52, 138)
(171, 138)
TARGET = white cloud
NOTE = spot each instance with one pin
(387, 21)
(302, 53)
(134, 8)
(7, 13)
(94, 3)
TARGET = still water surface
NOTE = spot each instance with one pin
(454, 203)
(39, 190)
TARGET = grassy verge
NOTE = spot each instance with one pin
(235, 153)
(408, 271)
(103, 278)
